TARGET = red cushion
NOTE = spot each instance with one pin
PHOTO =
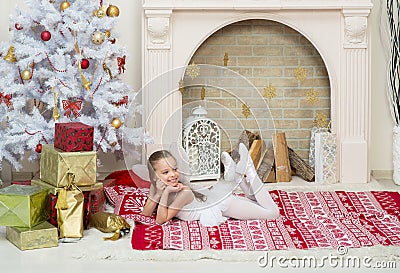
(128, 178)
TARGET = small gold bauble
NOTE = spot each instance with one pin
(107, 33)
(112, 11)
(116, 123)
(26, 74)
(98, 37)
(100, 13)
(64, 5)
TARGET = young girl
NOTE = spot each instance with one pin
(171, 198)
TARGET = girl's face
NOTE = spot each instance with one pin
(166, 169)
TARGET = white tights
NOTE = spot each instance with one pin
(259, 203)
(242, 208)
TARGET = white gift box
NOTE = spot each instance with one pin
(311, 156)
(325, 158)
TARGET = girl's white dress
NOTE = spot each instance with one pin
(209, 212)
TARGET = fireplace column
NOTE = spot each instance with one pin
(354, 101)
(160, 99)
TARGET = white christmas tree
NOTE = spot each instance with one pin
(62, 64)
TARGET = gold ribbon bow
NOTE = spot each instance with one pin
(62, 196)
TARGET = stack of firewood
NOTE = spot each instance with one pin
(273, 159)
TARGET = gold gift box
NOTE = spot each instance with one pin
(55, 165)
(39, 236)
(55, 190)
(23, 206)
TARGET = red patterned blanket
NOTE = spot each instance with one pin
(308, 220)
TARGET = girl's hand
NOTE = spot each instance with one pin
(160, 186)
(177, 188)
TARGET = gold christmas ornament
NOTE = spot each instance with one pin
(112, 144)
(10, 56)
(98, 37)
(112, 11)
(312, 96)
(101, 12)
(26, 74)
(85, 83)
(203, 93)
(321, 120)
(107, 70)
(226, 59)
(300, 73)
(181, 86)
(270, 91)
(246, 110)
(192, 70)
(64, 5)
(56, 114)
(116, 123)
(107, 33)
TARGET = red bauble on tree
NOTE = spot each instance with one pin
(38, 148)
(18, 26)
(85, 63)
(46, 35)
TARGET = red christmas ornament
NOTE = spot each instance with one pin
(18, 26)
(46, 35)
(121, 64)
(38, 148)
(85, 63)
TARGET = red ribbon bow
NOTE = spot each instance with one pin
(6, 98)
(123, 101)
(121, 64)
(72, 107)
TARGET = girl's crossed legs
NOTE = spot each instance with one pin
(259, 203)
(242, 208)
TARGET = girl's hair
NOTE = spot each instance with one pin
(156, 156)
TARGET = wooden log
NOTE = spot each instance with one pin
(270, 177)
(247, 138)
(255, 152)
(282, 163)
(302, 168)
(266, 170)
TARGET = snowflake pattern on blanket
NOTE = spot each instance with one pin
(308, 220)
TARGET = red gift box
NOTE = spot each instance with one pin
(98, 197)
(93, 202)
(73, 137)
(26, 182)
(53, 211)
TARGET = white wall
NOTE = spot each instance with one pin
(381, 120)
(129, 33)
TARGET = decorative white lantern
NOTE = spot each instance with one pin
(202, 143)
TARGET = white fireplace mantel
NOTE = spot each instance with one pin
(174, 29)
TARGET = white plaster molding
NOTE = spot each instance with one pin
(345, 51)
(158, 29)
(355, 29)
(255, 4)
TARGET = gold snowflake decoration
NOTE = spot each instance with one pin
(300, 73)
(202, 93)
(181, 86)
(321, 120)
(192, 70)
(245, 110)
(312, 96)
(269, 91)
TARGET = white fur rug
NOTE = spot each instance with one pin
(92, 247)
